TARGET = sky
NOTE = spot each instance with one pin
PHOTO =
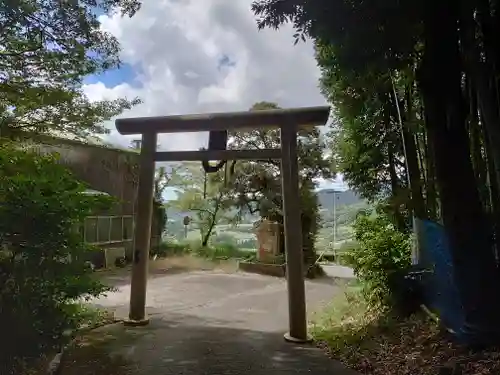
(196, 56)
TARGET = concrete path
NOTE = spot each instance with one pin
(206, 323)
(335, 270)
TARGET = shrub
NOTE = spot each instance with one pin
(310, 221)
(170, 248)
(43, 261)
(341, 325)
(223, 238)
(345, 249)
(382, 253)
(219, 251)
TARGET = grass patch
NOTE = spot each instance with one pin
(220, 252)
(379, 344)
(91, 317)
(189, 262)
(216, 252)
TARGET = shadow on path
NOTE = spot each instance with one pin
(188, 345)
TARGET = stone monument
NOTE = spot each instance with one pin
(268, 239)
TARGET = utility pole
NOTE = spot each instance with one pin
(335, 197)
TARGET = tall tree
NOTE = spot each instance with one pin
(257, 184)
(447, 55)
(208, 198)
(48, 48)
(373, 139)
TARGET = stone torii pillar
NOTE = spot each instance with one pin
(289, 121)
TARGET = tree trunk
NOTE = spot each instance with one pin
(399, 220)
(494, 195)
(418, 203)
(486, 94)
(433, 204)
(478, 162)
(490, 29)
(412, 162)
(430, 166)
(464, 220)
(482, 75)
(206, 237)
(410, 151)
(421, 156)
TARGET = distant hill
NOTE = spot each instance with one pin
(325, 197)
(343, 198)
(174, 214)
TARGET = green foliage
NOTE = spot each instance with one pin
(415, 90)
(176, 175)
(345, 217)
(374, 342)
(254, 187)
(48, 48)
(257, 185)
(342, 324)
(220, 251)
(345, 249)
(208, 200)
(171, 248)
(365, 139)
(42, 261)
(161, 218)
(382, 253)
(368, 73)
(364, 38)
(89, 316)
(165, 178)
(310, 220)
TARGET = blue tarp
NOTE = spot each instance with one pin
(472, 325)
(440, 290)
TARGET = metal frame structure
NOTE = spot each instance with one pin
(109, 242)
(289, 121)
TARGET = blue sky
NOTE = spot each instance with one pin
(125, 74)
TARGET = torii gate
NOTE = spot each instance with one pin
(289, 121)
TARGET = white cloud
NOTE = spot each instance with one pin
(205, 56)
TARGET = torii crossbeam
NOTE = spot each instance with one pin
(289, 121)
